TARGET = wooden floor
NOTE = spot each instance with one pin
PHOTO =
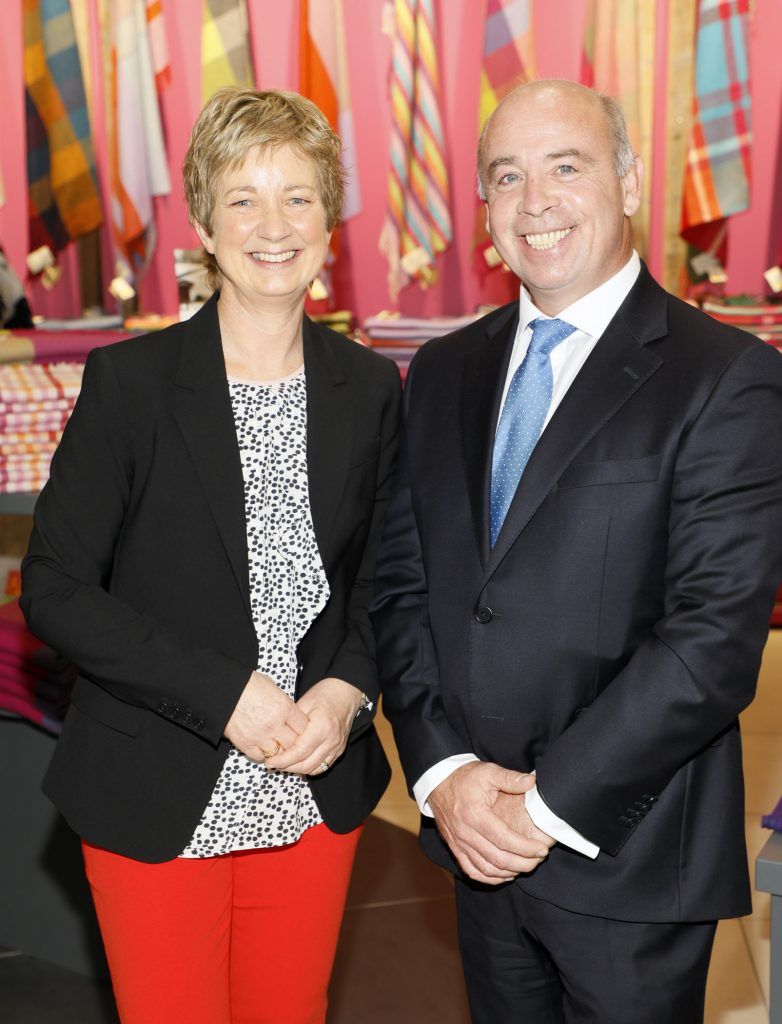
(397, 961)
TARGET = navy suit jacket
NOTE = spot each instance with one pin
(614, 633)
(138, 573)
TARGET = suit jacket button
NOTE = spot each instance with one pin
(483, 614)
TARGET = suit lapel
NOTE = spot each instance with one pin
(483, 376)
(617, 367)
(330, 425)
(202, 408)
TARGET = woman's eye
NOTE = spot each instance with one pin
(298, 201)
(241, 202)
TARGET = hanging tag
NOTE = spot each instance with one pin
(717, 275)
(121, 289)
(50, 277)
(39, 259)
(773, 278)
(413, 262)
(493, 258)
(318, 290)
(706, 263)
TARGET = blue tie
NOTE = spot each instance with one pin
(523, 415)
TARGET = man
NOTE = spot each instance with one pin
(575, 581)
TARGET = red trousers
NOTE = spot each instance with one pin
(246, 938)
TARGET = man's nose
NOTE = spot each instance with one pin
(537, 197)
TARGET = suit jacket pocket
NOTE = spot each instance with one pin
(611, 471)
(96, 703)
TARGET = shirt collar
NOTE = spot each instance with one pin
(593, 312)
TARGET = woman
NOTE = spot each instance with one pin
(204, 552)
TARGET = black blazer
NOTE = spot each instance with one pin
(614, 633)
(138, 573)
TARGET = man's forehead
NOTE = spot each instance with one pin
(559, 131)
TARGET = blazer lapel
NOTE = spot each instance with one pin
(484, 372)
(617, 367)
(330, 424)
(202, 408)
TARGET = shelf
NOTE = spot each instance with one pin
(20, 504)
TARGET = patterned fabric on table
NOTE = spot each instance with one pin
(717, 175)
(250, 806)
(225, 51)
(39, 382)
(36, 400)
(418, 221)
(63, 197)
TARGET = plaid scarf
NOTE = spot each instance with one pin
(717, 175)
(63, 197)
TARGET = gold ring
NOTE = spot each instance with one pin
(272, 753)
(324, 766)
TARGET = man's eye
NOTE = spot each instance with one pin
(508, 179)
(566, 169)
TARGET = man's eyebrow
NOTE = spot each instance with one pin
(578, 153)
(500, 161)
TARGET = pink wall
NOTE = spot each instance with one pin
(361, 274)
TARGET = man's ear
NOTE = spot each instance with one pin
(631, 187)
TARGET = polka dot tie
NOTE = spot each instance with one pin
(523, 415)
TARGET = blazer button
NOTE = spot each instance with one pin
(483, 614)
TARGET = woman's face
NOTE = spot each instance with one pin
(269, 232)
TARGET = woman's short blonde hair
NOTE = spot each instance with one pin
(234, 122)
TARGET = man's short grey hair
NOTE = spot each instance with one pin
(623, 156)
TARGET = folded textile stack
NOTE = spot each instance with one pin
(35, 683)
(763, 319)
(43, 346)
(399, 337)
(340, 320)
(35, 403)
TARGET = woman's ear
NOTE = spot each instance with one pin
(205, 238)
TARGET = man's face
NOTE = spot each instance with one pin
(556, 210)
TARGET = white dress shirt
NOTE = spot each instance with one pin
(590, 315)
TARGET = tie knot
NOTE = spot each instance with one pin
(547, 334)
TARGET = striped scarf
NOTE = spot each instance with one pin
(418, 221)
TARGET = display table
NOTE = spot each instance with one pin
(768, 878)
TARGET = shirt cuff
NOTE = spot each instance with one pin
(433, 776)
(545, 819)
